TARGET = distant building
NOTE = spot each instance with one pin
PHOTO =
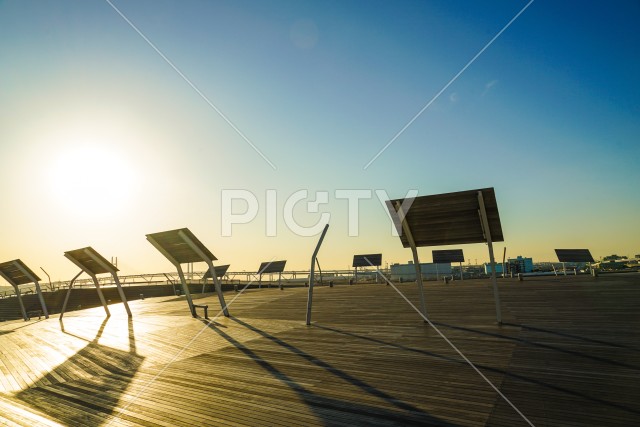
(519, 265)
(487, 268)
(407, 272)
(513, 265)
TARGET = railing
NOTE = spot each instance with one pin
(237, 277)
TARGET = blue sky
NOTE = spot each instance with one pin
(548, 115)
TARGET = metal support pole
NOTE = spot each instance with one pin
(487, 232)
(38, 290)
(416, 260)
(185, 289)
(100, 295)
(216, 282)
(312, 272)
(49, 277)
(114, 274)
(504, 260)
(319, 271)
(218, 287)
(41, 298)
(22, 310)
(121, 293)
(66, 298)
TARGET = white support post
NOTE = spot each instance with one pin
(564, 269)
(416, 259)
(487, 231)
(461, 276)
(312, 272)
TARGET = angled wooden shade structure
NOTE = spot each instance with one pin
(182, 246)
(366, 260)
(573, 255)
(448, 256)
(221, 270)
(449, 219)
(92, 263)
(271, 267)
(17, 273)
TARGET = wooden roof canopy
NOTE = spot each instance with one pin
(272, 267)
(367, 260)
(574, 255)
(221, 270)
(173, 243)
(15, 270)
(447, 256)
(87, 259)
(448, 219)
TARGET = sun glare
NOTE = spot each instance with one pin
(91, 178)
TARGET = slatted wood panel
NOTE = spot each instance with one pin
(172, 243)
(13, 272)
(272, 267)
(567, 354)
(221, 270)
(448, 219)
(574, 255)
(367, 260)
(449, 255)
(81, 257)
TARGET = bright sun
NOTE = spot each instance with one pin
(91, 178)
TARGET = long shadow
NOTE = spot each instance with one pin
(324, 406)
(575, 337)
(486, 368)
(336, 371)
(106, 389)
(25, 325)
(541, 345)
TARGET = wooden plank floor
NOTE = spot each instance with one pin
(568, 353)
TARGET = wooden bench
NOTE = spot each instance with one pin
(204, 307)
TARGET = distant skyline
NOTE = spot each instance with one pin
(104, 140)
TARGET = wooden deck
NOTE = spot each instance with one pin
(567, 354)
